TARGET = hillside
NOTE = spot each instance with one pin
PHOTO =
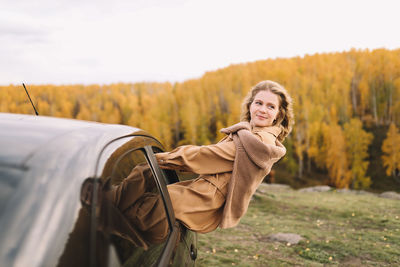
(338, 228)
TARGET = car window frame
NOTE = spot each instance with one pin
(165, 256)
(160, 180)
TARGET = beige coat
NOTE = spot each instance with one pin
(199, 203)
(253, 161)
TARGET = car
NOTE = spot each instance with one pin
(54, 177)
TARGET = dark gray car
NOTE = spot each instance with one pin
(54, 175)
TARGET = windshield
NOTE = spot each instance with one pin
(9, 180)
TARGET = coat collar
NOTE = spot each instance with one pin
(274, 130)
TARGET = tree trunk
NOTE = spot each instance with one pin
(354, 95)
(301, 167)
(374, 106)
(389, 104)
(300, 139)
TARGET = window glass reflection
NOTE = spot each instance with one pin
(136, 219)
(122, 216)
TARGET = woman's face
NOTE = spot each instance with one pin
(264, 109)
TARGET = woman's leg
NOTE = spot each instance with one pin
(144, 209)
(139, 181)
(148, 215)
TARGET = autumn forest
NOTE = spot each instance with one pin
(346, 106)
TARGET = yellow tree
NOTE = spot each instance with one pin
(391, 151)
(357, 142)
(336, 159)
(396, 101)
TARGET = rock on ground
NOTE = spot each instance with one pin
(320, 188)
(290, 238)
(263, 188)
(390, 194)
(350, 191)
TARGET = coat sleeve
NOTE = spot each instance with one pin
(210, 159)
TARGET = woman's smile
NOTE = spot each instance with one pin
(261, 117)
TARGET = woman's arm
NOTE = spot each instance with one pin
(210, 159)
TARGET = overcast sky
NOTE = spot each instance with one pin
(98, 41)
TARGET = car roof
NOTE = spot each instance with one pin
(23, 135)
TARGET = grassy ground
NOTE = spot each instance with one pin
(339, 230)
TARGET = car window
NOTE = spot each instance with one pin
(142, 229)
(113, 227)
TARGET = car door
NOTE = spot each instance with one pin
(136, 217)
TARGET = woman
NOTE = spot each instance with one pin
(220, 195)
(230, 171)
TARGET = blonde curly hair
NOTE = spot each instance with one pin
(284, 118)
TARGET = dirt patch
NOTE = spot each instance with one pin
(351, 261)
